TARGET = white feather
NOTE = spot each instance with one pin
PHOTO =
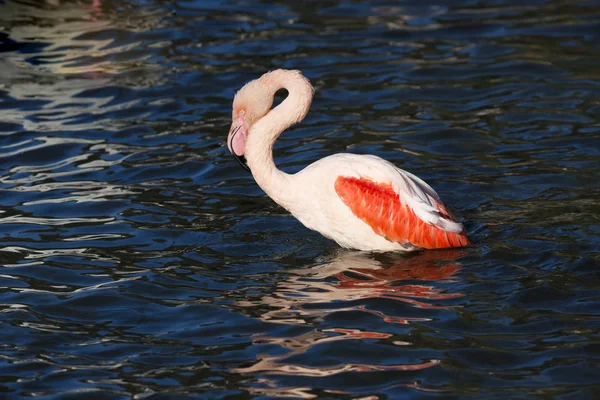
(411, 190)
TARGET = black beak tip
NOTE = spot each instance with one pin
(242, 161)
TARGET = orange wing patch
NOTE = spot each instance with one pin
(379, 206)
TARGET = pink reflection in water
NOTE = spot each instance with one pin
(355, 277)
(311, 294)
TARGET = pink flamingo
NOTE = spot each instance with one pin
(360, 201)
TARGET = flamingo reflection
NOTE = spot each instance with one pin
(349, 283)
(356, 276)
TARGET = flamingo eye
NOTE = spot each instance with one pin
(242, 112)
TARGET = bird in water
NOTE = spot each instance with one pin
(362, 202)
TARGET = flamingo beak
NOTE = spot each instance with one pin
(236, 141)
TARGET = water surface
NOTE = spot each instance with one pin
(139, 260)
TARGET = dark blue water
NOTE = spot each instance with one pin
(140, 261)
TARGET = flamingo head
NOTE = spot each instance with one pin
(251, 103)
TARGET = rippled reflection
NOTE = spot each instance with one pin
(352, 277)
(352, 283)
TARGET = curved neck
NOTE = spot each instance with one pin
(264, 133)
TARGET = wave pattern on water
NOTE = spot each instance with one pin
(139, 260)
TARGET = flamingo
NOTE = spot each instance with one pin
(361, 202)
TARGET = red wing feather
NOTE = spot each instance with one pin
(380, 207)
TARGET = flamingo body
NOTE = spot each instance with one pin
(380, 207)
(360, 201)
